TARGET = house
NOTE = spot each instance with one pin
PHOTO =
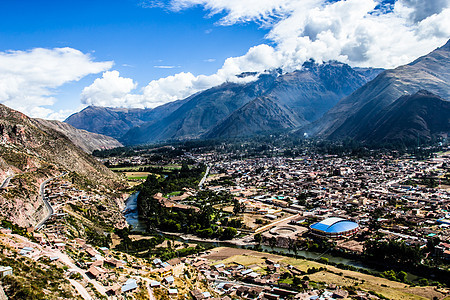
(166, 271)
(115, 263)
(80, 242)
(91, 251)
(26, 251)
(129, 285)
(169, 279)
(157, 262)
(5, 230)
(443, 250)
(39, 237)
(4, 271)
(173, 292)
(197, 294)
(177, 265)
(340, 294)
(98, 272)
(115, 290)
(155, 284)
(60, 246)
(104, 250)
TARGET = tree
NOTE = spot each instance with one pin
(402, 276)
(238, 207)
(272, 242)
(258, 238)
(229, 233)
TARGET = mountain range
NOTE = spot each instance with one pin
(357, 115)
(282, 101)
(330, 100)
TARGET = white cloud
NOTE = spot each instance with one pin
(113, 90)
(29, 79)
(358, 32)
(110, 90)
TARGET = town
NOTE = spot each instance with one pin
(314, 203)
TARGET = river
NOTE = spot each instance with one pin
(131, 213)
(138, 225)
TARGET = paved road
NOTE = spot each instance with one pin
(46, 203)
(6, 182)
(200, 185)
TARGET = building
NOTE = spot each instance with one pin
(130, 285)
(334, 228)
(4, 271)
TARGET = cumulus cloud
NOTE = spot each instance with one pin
(113, 90)
(373, 33)
(420, 9)
(29, 79)
(109, 90)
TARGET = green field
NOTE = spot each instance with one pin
(136, 168)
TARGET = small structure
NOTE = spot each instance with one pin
(129, 285)
(4, 271)
(155, 284)
(98, 272)
(26, 251)
(169, 280)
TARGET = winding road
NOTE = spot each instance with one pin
(5, 182)
(46, 203)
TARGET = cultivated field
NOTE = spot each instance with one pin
(332, 275)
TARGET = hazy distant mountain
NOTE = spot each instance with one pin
(86, 140)
(422, 115)
(294, 99)
(115, 122)
(355, 115)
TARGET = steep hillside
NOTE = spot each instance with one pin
(306, 94)
(430, 72)
(258, 116)
(115, 122)
(422, 115)
(86, 140)
(35, 152)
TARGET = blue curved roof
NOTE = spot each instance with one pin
(334, 225)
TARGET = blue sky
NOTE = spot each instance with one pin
(136, 53)
(141, 41)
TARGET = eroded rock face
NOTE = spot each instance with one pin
(34, 152)
(86, 140)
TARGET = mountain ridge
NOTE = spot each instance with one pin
(430, 72)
